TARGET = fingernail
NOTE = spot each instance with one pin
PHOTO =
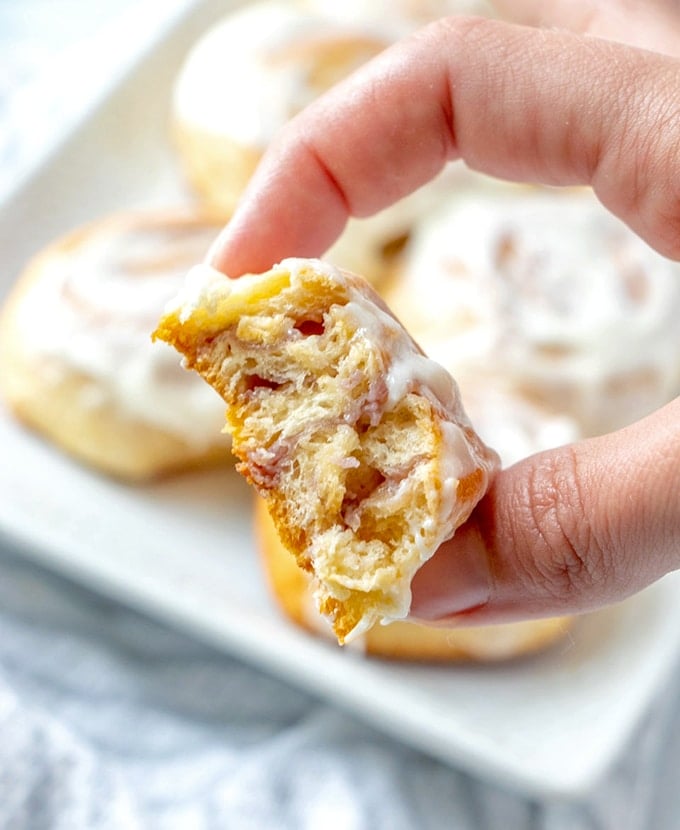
(456, 580)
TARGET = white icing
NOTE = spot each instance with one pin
(409, 369)
(550, 292)
(248, 75)
(93, 310)
(203, 287)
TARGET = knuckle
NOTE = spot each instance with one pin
(661, 206)
(645, 156)
(565, 556)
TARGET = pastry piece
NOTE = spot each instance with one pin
(549, 293)
(76, 360)
(292, 590)
(357, 441)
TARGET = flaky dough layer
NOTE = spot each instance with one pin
(357, 441)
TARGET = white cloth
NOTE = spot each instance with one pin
(110, 721)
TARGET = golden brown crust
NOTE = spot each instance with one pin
(292, 589)
(114, 445)
(56, 398)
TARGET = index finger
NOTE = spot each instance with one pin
(518, 103)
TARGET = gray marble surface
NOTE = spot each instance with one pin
(109, 720)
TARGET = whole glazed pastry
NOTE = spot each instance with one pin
(76, 359)
(279, 57)
(549, 294)
(357, 441)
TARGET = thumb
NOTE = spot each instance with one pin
(564, 531)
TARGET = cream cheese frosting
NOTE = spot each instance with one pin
(249, 74)
(93, 309)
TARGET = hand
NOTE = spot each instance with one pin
(649, 24)
(567, 530)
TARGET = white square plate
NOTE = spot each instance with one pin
(182, 549)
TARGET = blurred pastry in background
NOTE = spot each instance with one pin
(293, 591)
(76, 359)
(403, 15)
(514, 425)
(549, 294)
(247, 76)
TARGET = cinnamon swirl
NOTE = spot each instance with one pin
(547, 293)
(76, 359)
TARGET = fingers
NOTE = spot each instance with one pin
(518, 103)
(564, 531)
(643, 23)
